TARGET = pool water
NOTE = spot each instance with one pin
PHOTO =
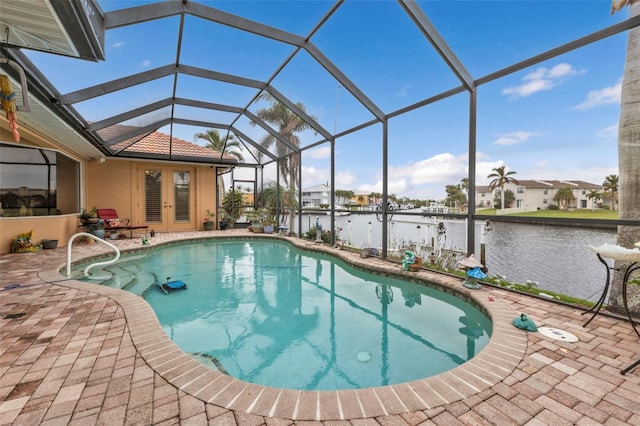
(268, 313)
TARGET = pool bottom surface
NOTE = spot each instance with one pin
(268, 313)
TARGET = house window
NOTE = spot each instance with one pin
(482, 194)
(583, 204)
(584, 191)
(545, 191)
(37, 182)
(545, 200)
(520, 190)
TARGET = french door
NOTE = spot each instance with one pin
(168, 197)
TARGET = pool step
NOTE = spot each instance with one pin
(141, 282)
(120, 277)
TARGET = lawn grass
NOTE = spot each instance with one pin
(571, 214)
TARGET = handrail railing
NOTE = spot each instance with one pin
(100, 240)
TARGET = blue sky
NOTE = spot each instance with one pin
(555, 120)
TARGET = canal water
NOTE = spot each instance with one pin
(556, 258)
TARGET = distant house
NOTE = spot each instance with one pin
(316, 195)
(361, 198)
(538, 194)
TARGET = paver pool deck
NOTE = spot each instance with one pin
(77, 353)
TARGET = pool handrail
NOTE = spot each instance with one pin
(100, 240)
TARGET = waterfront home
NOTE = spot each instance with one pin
(531, 195)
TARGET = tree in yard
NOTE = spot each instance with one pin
(343, 196)
(594, 195)
(564, 197)
(273, 196)
(628, 155)
(228, 144)
(610, 186)
(501, 177)
(288, 125)
(464, 185)
(455, 196)
(505, 198)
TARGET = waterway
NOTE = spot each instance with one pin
(555, 258)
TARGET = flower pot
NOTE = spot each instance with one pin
(208, 226)
(223, 225)
(98, 233)
(49, 244)
(268, 229)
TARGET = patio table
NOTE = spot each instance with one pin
(615, 252)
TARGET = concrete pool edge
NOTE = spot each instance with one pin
(496, 361)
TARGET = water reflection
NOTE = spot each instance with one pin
(556, 257)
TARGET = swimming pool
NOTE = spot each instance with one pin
(268, 313)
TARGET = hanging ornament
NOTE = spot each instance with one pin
(8, 103)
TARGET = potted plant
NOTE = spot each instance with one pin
(233, 205)
(223, 223)
(207, 222)
(97, 229)
(268, 222)
(88, 216)
(256, 217)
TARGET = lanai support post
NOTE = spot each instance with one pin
(471, 198)
(385, 186)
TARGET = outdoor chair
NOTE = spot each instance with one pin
(113, 223)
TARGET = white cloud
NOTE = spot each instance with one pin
(319, 153)
(542, 79)
(484, 169)
(609, 132)
(512, 138)
(146, 63)
(313, 175)
(437, 169)
(398, 187)
(605, 96)
(118, 44)
(344, 180)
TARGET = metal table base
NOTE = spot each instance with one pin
(596, 308)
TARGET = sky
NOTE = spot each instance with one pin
(555, 120)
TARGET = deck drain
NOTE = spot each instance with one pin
(557, 334)
(363, 356)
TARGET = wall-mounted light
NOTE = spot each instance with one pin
(101, 159)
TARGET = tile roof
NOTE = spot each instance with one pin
(160, 145)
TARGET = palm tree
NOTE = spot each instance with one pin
(594, 195)
(273, 196)
(464, 185)
(564, 196)
(628, 151)
(288, 125)
(224, 145)
(610, 186)
(501, 177)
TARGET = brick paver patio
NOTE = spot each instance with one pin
(71, 355)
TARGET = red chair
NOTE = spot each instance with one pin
(112, 222)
